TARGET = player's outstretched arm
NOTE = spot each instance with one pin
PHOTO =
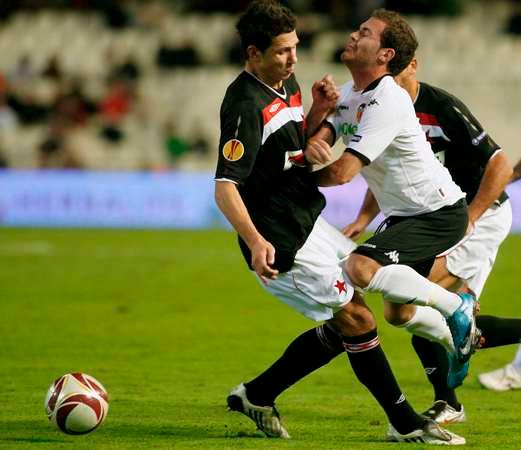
(230, 203)
(498, 173)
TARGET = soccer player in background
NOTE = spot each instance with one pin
(264, 188)
(425, 210)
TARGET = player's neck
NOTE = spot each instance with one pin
(363, 78)
(274, 84)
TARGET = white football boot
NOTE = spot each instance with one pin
(441, 412)
(431, 433)
(504, 379)
(266, 418)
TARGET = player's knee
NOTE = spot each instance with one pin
(398, 314)
(354, 319)
(361, 269)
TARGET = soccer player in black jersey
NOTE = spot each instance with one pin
(264, 188)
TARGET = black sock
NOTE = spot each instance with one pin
(372, 370)
(309, 351)
(436, 364)
(498, 331)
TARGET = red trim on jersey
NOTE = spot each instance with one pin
(278, 105)
(270, 111)
(427, 119)
(296, 99)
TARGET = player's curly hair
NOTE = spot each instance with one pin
(262, 21)
(399, 36)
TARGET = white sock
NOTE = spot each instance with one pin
(402, 284)
(430, 324)
(517, 360)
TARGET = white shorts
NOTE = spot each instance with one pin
(316, 285)
(473, 258)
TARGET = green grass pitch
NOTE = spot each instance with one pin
(169, 321)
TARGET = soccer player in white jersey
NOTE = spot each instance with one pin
(425, 210)
(477, 164)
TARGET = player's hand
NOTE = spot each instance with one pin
(353, 230)
(325, 92)
(318, 151)
(262, 257)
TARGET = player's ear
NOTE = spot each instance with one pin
(253, 53)
(386, 55)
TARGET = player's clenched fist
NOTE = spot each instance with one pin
(318, 151)
(325, 90)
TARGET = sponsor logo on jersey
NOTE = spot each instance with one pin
(348, 128)
(233, 150)
(479, 138)
(394, 256)
(342, 108)
(360, 112)
(274, 107)
(356, 138)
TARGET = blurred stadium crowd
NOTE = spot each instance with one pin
(128, 85)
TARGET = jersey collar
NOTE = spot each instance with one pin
(281, 95)
(375, 83)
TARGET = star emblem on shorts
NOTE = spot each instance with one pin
(341, 286)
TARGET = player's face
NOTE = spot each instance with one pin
(277, 62)
(363, 46)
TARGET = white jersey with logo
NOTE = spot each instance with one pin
(379, 125)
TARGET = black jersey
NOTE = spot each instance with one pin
(261, 149)
(456, 137)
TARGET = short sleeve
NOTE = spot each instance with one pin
(462, 128)
(240, 141)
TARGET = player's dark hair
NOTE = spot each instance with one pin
(262, 21)
(399, 36)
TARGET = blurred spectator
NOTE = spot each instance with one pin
(117, 101)
(55, 150)
(129, 70)
(200, 145)
(73, 105)
(8, 118)
(53, 69)
(176, 146)
(23, 72)
(183, 55)
(113, 108)
(28, 109)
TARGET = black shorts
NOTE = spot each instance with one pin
(415, 241)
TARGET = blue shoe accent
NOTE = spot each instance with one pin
(457, 371)
(462, 325)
